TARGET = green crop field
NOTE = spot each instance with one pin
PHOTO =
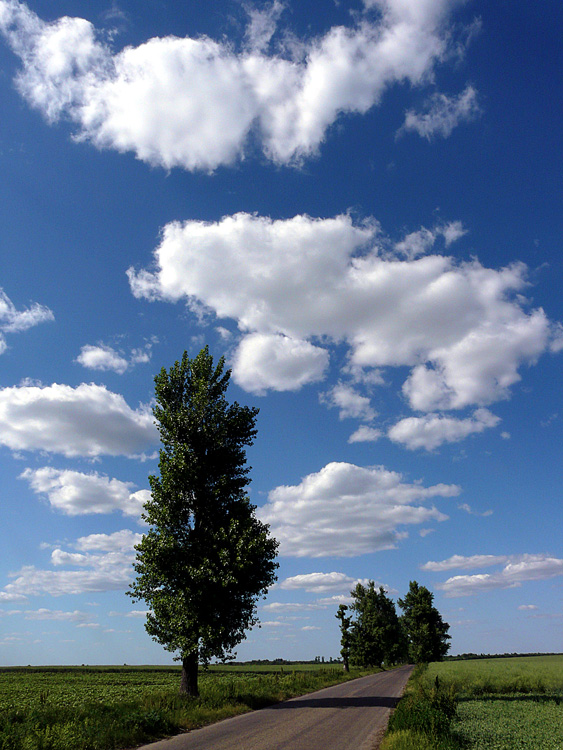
(507, 703)
(101, 708)
(513, 703)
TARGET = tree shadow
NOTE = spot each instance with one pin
(366, 701)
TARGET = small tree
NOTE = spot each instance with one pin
(206, 558)
(426, 631)
(346, 637)
(377, 635)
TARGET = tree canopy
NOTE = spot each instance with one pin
(377, 635)
(372, 634)
(206, 559)
(426, 631)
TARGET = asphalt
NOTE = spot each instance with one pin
(349, 716)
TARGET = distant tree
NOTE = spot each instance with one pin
(376, 633)
(206, 559)
(346, 636)
(427, 633)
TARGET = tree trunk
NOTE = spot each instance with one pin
(188, 684)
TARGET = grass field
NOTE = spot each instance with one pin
(482, 704)
(101, 708)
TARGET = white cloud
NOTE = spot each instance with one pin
(460, 561)
(452, 232)
(416, 243)
(517, 569)
(104, 358)
(323, 603)
(346, 510)
(351, 404)
(264, 361)
(442, 114)
(195, 102)
(319, 583)
(105, 563)
(119, 541)
(16, 321)
(132, 614)
(57, 615)
(262, 26)
(463, 329)
(290, 606)
(365, 434)
(527, 607)
(433, 430)
(468, 509)
(75, 493)
(87, 420)
(423, 240)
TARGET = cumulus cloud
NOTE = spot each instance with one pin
(433, 430)
(420, 242)
(16, 321)
(517, 570)
(104, 357)
(196, 102)
(346, 510)
(104, 562)
(462, 328)
(74, 493)
(441, 114)
(265, 361)
(262, 26)
(349, 402)
(319, 583)
(323, 603)
(87, 420)
(463, 562)
(365, 434)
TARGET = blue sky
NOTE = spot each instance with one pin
(358, 204)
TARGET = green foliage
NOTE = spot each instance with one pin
(426, 631)
(426, 709)
(101, 709)
(376, 635)
(206, 558)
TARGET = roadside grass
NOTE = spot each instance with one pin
(423, 717)
(485, 704)
(109, 708)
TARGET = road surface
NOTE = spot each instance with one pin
(349, 716)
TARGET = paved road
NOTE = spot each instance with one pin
(349, 716)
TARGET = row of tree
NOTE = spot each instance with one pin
(373, 634)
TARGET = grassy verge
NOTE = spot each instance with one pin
(97, 710)
(423, 717)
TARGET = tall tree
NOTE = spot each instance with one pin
(426, 631)
(376, 635)
(206, 559)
